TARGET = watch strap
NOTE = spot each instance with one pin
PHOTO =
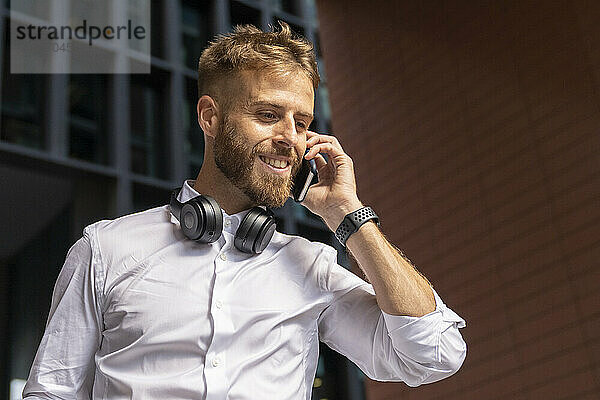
(353, 221)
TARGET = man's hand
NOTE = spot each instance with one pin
(335, 194)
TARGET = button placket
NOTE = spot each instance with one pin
(216, 361)
(216, 380)
(223, 329)
(215, 367)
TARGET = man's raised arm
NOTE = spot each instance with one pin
(423, 331)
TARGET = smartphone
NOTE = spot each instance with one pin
(306, 176)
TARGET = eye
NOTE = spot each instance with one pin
(301, 124)
(268, 115)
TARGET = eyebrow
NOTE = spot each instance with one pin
(254, 103)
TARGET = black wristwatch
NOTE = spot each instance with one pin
(353, 221)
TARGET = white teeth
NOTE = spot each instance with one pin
(274, 163)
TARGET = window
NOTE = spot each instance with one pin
(317, 44)
(322, 102)
(194, 144)
(157, 33)
(148, 139)
(87, 120)
(145, 197)
(22, 105)
(194, 30)
(311, 10)
(295, 28)
(243, 14)
(293, 7)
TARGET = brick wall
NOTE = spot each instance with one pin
(475, 130)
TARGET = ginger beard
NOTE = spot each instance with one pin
(237, 162)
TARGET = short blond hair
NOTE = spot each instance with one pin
(249, 48)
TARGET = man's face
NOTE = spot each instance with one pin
(262, 137)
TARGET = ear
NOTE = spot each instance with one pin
(208, 115)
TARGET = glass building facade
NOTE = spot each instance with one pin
(78, 148)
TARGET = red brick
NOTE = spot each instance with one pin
(485, 118)
(568, 386)
(541, 302)
(545, 323)
(490, 347)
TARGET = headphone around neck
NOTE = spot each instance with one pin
(201, 220)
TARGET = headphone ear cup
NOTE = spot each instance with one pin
(201, 219)
(255, 231)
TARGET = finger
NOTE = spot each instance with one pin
(313, 133)
(320, 139)
(317, 138)
(328, 148)
(320, 161)
(309, 136)
(314, 139)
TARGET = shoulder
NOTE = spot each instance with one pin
(133, 236)
(299, 248)
(131, 224)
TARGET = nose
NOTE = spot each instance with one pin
(288, 135)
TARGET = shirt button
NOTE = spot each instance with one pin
(216, 361)
(223, 257)
(219, 304)
(227, 222)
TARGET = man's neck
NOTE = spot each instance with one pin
(212, 182)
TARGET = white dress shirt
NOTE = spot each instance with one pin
(141, 312)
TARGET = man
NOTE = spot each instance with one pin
(141, 311)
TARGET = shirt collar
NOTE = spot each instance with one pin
(188, 192)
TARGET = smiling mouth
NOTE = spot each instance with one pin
(278, 165)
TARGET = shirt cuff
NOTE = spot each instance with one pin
(420, 337)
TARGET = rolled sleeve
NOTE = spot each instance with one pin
(431, 344)
(414, 350)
